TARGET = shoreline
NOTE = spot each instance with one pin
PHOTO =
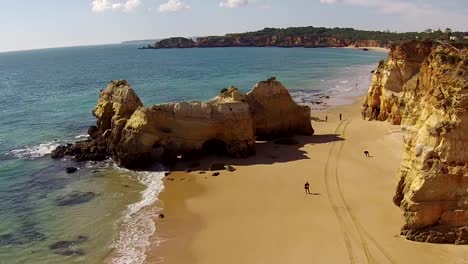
(379, 49)
(260, 214)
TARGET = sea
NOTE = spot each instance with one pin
(100, 213)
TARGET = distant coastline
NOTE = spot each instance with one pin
(307, 37)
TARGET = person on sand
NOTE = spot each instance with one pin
(340, 116)
(306, 187)
(326, 118)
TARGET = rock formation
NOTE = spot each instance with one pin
(432, 105)
(275, 113)
(170, 43)
(390, 77)
(433, 186)
(136, 136)
(243, 40)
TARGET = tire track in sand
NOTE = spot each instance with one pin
(334, 205)
(360, 229)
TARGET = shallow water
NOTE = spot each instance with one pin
(47, 97)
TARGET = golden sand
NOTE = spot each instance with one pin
(261, 214)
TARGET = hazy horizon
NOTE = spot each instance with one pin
(53, 23)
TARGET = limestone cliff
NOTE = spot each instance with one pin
(389, 78)
(136, 136)
(433, 177)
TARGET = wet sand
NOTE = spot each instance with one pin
(261, 214)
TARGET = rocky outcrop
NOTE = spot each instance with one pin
(389, 79)
(170, 43)
(136, 136)
(270, 103)
(433, 177)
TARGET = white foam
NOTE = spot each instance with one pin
(81, 136)
(138, 225)
(349, 83)
(35, 152)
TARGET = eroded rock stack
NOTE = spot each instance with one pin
(136, 136)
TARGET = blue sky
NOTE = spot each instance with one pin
(31, 24)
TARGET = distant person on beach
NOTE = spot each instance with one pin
(367, 153)
(340, 116)
(326, 118)
(306, 187)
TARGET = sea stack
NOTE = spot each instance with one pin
(136, 136)
(432, 105)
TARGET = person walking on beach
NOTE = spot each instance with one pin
(340, 116)
(306, 187)
(326, 118)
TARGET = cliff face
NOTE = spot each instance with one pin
(135, 136)
(389, 79)
(245, 40)
(433, 186)
(239, 40)
(425, 88)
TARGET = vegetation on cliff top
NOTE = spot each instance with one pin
(313, 37)
(355, 35)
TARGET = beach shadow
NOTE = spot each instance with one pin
(267, 152)
(315, 194)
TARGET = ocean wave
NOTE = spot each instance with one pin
(81, 136)
(138, 224)
(349, 82)
(35, 152)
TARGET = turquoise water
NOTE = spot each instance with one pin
(46, 97)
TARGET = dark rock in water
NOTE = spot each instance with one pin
(71, 169)
(365, 49)
(70, 252)
(7, 239)
(216, 174)
(230, 168)
(87, 150)
(69, 248)
(59, 152)
(63, 244)
(75, 198)
(286, 141)
(82, 239)
(217, 166)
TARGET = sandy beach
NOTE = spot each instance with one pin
(381, 49)
(261, 214)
